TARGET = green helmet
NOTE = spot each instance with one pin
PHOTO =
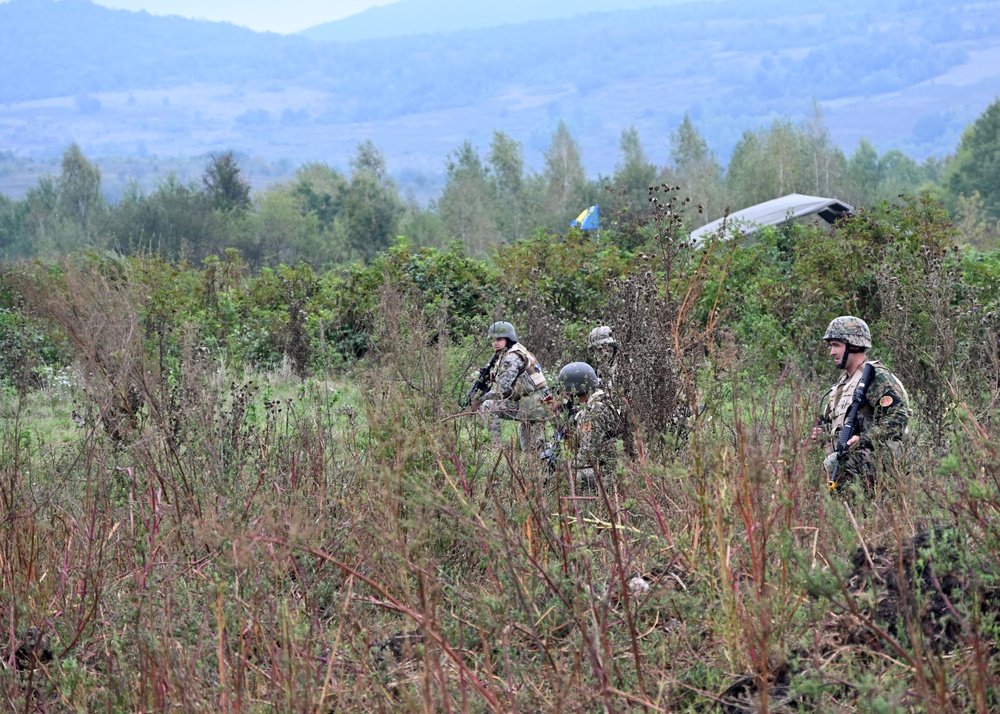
(850, 330)
(600, 336)
(501, 329)
(578, 379)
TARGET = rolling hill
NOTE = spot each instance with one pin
(905, 75)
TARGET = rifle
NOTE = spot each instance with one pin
(551, 454)
(482, 383)
(850, 427)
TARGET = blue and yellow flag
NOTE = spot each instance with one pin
(588, 220)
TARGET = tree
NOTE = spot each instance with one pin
(634, 173)
(371, 209)
(42, 202)
(79, 192)
(278, 232)
(227, 190)
(863, 175)
(771, 163)
(506, 161)
(977, 163)
(466, 205)
(177, 220)
(14, 232)
(320, 190)
(565, 179)
(980, 231)
(827, 161)
(697, 169)
(898, 174)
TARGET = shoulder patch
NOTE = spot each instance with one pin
(886, 401)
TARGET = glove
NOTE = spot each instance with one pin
(829, 462)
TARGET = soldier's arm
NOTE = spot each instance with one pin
(891, 413)
(510, 367)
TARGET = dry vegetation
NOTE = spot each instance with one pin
(194, 537)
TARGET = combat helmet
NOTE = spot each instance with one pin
(501, 329)
(850, 330)
(600, 336)
(578, 379)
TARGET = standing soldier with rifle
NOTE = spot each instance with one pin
(864, 416)
(516, 388)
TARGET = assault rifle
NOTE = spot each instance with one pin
(851, 424)
(482, 383)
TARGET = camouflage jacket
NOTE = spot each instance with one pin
(884, 415)
(606, 366)
(596, 429)
(517, 373)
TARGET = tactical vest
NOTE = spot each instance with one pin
(530, 379)
(842, 394)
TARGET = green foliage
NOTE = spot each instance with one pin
(892, 264)
(226, 189)
(571, 272)
(565, 180)
(279, 232)
(442, 282)
(320, 191)
(176, 221)
(977, 166)
(697, 169)
(80, 199)
(785, 158)
(14, 231)
(371, 208)
(467, 206)
(26, 348)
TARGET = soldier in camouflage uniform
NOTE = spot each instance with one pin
(594, 428)
(518, 389)
(604, 346)
(883, 417)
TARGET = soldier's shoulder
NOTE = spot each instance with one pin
(883, 382)
(512, 357)
(883, 375)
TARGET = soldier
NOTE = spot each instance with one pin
(607, 362)
(605, 348)
(883, 416)
(594, 426)
(518, 389)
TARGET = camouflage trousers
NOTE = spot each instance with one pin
(873, 467)
(529, 411)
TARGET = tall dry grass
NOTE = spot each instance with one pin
(248, 542)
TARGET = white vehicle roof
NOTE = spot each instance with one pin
(775, 212)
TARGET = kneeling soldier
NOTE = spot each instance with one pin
(594, 426)
(518, 389)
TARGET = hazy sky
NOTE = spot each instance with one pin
(264, 15)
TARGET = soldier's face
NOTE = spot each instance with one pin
(837, 350)
(499, 343)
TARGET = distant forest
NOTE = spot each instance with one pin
(330, 218)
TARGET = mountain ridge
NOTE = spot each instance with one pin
(124, 84)
(411, 17)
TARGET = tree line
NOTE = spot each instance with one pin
(327, 217)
